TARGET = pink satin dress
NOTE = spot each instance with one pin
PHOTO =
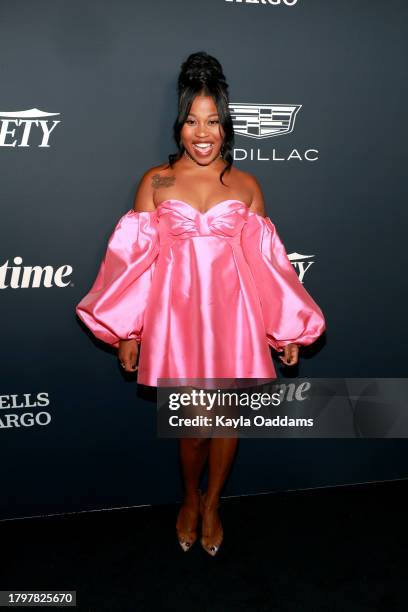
(206, 294)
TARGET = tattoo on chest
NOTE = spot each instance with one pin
(162, 181)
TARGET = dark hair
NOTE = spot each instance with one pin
(201, 74)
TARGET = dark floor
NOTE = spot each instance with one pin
(333, 550)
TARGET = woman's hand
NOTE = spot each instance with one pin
(291, 354)
(128, 352)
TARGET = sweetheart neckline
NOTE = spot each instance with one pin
(198, 211)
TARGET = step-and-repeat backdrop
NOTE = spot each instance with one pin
(87, 103)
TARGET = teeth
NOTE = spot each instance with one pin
(203, 145)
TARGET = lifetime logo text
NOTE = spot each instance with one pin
(25, 277)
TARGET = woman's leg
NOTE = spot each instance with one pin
(193, 452)
(193, 455)
(222, 450)
(221, 455)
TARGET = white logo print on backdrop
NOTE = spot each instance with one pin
(262, 121)
(24, 410)
(271, 2)
(33, 277)
(17, 276)
(17, 128)
(301, 263)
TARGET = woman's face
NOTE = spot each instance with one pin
(202, 133)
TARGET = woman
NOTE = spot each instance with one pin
(197, 277)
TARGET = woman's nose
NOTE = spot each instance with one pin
(201, 130)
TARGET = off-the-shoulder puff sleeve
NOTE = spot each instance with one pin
(290, 314)
(113, 309)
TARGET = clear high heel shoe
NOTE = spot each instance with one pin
(187, 538)
(211, 547)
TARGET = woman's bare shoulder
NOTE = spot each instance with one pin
(155, 172)
(151, 179)
(247, 183)
(247, 178)
(254, 188)
(242, 179)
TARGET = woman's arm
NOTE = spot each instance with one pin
(113, 309)
(292, 318)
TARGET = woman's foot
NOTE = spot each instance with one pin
(212, 531)
(187, 520)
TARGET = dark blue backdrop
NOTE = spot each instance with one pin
(335, 186)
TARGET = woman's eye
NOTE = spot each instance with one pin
(189, 121)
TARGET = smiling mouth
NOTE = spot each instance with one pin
(204, 148)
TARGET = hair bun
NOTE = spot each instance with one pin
(201, 69)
